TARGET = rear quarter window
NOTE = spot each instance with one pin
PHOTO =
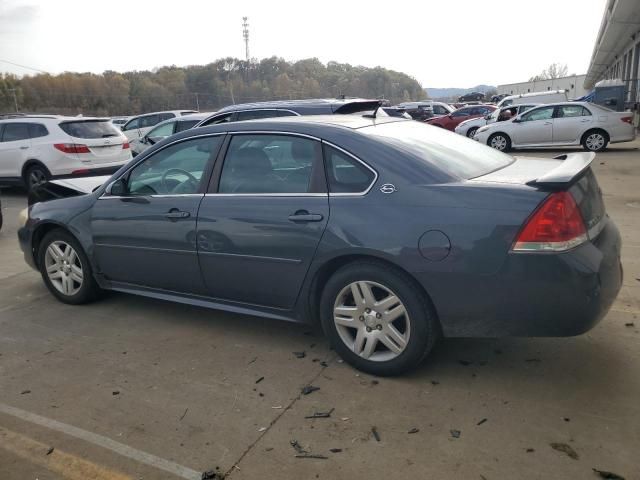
(90, 129)
(447, 151)
(37, 130)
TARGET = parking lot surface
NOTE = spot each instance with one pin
(131, 388)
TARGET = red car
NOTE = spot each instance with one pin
(451, 121)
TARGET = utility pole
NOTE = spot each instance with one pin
(245, 35)
(15, 97)
(197, 102)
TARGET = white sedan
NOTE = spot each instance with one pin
(560, 124)
(471, 126)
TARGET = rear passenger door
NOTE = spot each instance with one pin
(15, 144)
(264, 215)
(569, 122)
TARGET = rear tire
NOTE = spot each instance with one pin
(35, 176)
(500, 141)
(595, 140)
(377, 319)
(65, 268)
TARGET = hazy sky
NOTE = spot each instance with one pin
(441, 43)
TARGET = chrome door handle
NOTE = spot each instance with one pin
(175, 214)
(304, 216)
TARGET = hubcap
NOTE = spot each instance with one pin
(595, 141)
(499, 142)
(64, 268)
(371, 321)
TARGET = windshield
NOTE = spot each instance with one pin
(448, 151)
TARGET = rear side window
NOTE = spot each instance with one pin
(37, 130)
(218, 119)
(89, 129)
(286, 113)
(185, 125)
(344, 173)
(440, 110)
(15, 131)
(572, 111)
(253, 114)
(166, 116)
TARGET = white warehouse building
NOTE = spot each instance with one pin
(617, 49)
(574, 85)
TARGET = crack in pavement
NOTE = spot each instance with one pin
(248, 450)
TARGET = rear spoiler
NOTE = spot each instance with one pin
(572, 166)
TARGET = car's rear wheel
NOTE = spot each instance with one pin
(472, 132)
(595, 140)
(500, 141)
(35, 176)
(65, 268)
(377, 319)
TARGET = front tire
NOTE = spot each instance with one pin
(595, 140)
(472, 132)
(377, 319)
(65, 268)
(500, 141)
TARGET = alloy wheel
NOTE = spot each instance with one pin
(372, 321)
(64, 268)
(36, 178)
(499, 142)
(472, 132)
(595, 141)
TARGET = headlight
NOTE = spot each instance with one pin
(23, 216)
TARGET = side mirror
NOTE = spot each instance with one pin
(117, 188)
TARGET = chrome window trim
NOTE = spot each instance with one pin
(266, 195)
(231, 112)
(134, 165)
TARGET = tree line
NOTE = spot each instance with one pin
(202, 87)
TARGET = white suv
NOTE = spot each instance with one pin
(36, 148)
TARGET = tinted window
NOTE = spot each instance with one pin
(461, 113)
(250, 115)
(135, 123)
(15, 131)
(165, 116)
(538, 114)
(286, 113)
(148, 121)
(344, 173)
(90, 129)
(218, 119)
(440, 110)
(37, 130)
(572, 111)
(448, 152)
(185, 125)
(177, 169)
(268, 164)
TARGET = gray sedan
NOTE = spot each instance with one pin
(387, 232)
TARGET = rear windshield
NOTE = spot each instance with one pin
(448, 151)
(90, 129)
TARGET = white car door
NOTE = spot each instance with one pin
(569, 122)
(15, 143)
(534, 127)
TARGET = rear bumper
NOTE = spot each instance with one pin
(92, 172)
(534, 295)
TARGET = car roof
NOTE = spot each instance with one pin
(185, 118)
(178, 112)
(58, 118)
(332, 103)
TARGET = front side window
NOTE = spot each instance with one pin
(572, 111)
(186, 125)
(135, 123)
(268, 164)
(148, 121)
(544, 113)
(165, 116)
(15, 131)
(163, 130)
(345, 174)
(175, 170)
(440, 110)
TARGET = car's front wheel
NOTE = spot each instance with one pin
(65, 268)
(500, 141)
(472, 132)
(377, 319)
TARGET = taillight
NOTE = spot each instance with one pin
(627, 119)
(555, 226)
(71, 148)
(125, 145)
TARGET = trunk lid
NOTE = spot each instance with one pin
(104, 141)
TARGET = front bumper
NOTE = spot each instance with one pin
(24, 240)
(534, 294)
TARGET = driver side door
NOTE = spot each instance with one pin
(144, 230)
